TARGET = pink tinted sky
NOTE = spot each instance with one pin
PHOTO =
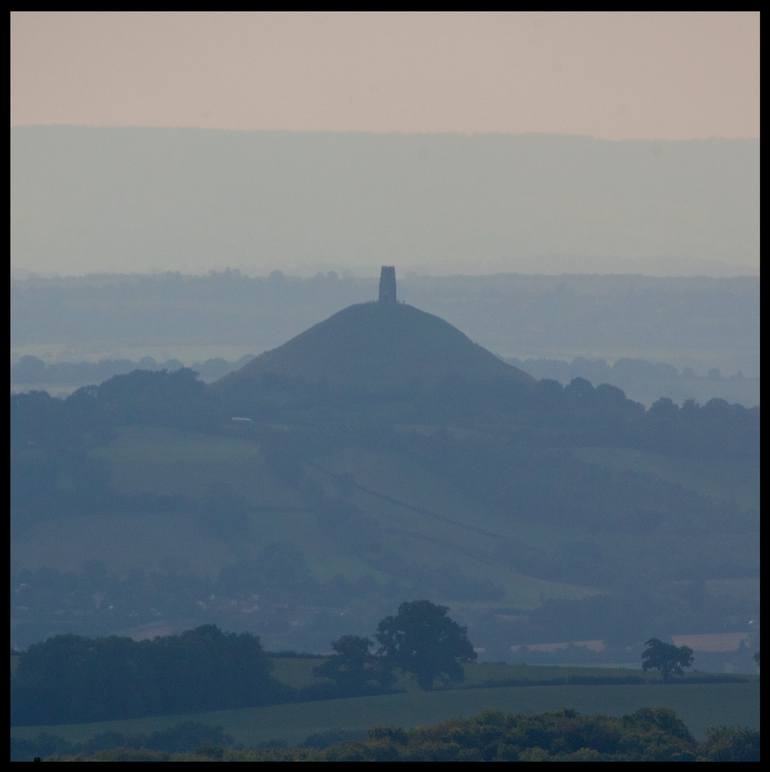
(614, 75)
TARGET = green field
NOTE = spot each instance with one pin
(297, 672)
(724, 480)
(699, 705)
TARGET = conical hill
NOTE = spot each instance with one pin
(380, 347)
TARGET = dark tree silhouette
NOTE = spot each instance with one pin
(354, 668)
(665, 657)
(73, 678)
(423, 640)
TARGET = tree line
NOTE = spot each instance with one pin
(70, 678)
(575, 414)
(421, 639)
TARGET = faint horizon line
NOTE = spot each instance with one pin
(394, 132)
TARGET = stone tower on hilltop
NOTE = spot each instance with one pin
(388, 284)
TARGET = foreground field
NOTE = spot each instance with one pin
(698, 705)
(297, 672)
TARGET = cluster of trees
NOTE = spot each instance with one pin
(649, 734)
(642, 380)
(180, 738)
(424, 641)
(70, 678)
(646, 381)
(669, 660)
(421, 639)
(576, 414)
(142, 397)
(625, 368)
(584, 414)
(30, 370)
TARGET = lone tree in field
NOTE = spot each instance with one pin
(667, 658)
(423, 640)
(354, 668)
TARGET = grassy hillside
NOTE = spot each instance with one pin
(724, 480)
(154, 460)
(148, 460)
(388, 514)
(699, 705)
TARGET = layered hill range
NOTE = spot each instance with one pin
(380, 347)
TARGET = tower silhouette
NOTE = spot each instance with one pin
(388, 284)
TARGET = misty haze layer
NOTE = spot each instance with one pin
(688, 322)
(87, 199)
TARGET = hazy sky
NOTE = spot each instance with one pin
(612, 75)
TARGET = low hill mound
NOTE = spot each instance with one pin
(378, 348)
